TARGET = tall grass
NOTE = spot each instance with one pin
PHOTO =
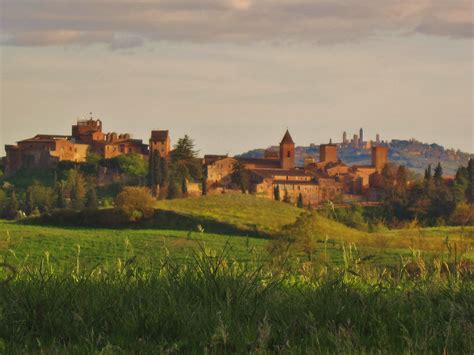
(212, 303)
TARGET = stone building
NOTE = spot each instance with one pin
(219, 170)
(108, 145)
(43, 151)
(275, 171)
(160, 141)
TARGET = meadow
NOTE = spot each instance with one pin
(212, 287)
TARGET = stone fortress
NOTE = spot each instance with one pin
(316, 181)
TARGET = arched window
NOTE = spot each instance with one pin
(289, 154)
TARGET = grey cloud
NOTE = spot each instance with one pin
(61, 22)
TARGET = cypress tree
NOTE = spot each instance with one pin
(300, 203)
(157, 170)
(12, 208)
(29, 202)
(164, 172)
(60, 198)
(151, 170)
(184, 186)
(204, 186)
(276, 193)
(172, 191)
(428, 173)
(470, 183)
(438, 174)
(91, 198)
(55, 179)
(78, 191)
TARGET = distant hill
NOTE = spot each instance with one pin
(413, 154)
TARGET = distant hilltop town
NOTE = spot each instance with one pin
(277, 172)
(415, 155)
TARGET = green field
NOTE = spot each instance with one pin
(201, 280)
(260, 219)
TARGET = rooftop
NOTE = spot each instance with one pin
(272, 162)
(159, 135)
(287, 138)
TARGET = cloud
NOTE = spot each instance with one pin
(121, 23)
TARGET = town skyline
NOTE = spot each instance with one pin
(370, 135)
(318, 67)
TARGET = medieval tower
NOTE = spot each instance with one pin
(287, 152)
(160, 141)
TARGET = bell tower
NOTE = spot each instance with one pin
(287, 152)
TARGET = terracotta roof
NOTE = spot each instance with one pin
(293, 182)
(287, 138)
(335, 164)
(159, 135)
(362, 167)
(211, 158)
(273, 162)
(268, 173)
(43, 138)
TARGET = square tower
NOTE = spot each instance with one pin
(160, 141)
(379, 157)
(328, 153)
(287, 152)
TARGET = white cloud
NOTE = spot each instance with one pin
(61, 22)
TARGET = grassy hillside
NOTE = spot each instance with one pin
(148, 290)
(22, 243)
(246, 212)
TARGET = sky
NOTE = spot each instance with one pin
(235, 74)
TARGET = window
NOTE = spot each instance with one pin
(289, 154)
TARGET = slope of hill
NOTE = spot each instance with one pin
(411, 153)
(248, 212)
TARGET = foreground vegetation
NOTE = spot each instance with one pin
(215, 304)
(243, 275)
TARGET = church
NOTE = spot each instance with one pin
(328, 179)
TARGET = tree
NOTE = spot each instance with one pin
(60, 196)
(173, 191)
(3, 202)
(438, 174)
(286, 197)
(133, 164)
(463, 215)
(164, 172)
(155, 175)
(204, 186)
(300, 203)
(12, 206)
(136, 202)
(301, 236)
(185, 154)
(91, 197)
(470, 177)
(460, 186)
(39, 196)
(241, 177)
(29, 202)
(151, 170)
(77, 189)
(184, 186)
(184, 150)
(276, 193)
(428, 173)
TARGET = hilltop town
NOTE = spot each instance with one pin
(411, 153)
(276, 175)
